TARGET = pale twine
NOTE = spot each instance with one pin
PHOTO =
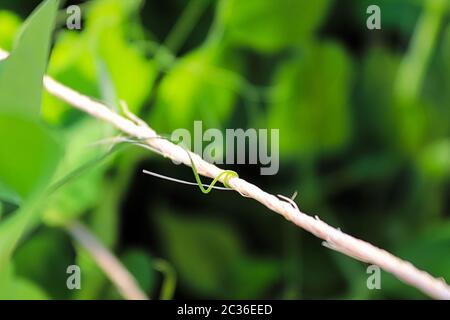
(334, 238)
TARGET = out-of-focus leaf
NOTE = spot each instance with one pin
(44, 247)
(71, 63)
(202, 252)
(23, 289)
(7, 194)
(105, 218)
(446, 48)
(429, 251)
(62, 205)
(104, 222)
(434, 160)
(198, 87)
(10, 24)
(5, 278)
(22, 73)
(368, 168)
(311, 101)
(271, 24)
(76, 59)
(13, 287)
(412, 124)
(132, 79)
(255, 277)
(209, 258)
(355, 274)
(111, 12)
(443, 91)
(140, 264)
(380, 118)
(12, 228)
(29, 154)
(374, 93)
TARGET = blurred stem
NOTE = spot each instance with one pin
(15, 226)
(165, 53)
(293, 263)
(105, 219)
(413, 68)
(124, 281)
(185, 24)
(170, 279)
(310, 196)
(293, 239)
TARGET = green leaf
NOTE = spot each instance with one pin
(13, 287)
(253, 277)
(209, 258)
(28, 155)
(21, 76)
(140, 264)
(75, 60)
(311, 101)
(434, 160)
(108, 24)
(375, 116)
(8, 28)
(271, 25)
(132, 80)
(200, 86)
(9, 195)
(428, 251)
(28, 152)
(104, 220)
(23, 289)
(111, 12)
(12, 228)
(49, 273)
(202, 251)
(446, 49)
(70, 63)
(62, 206)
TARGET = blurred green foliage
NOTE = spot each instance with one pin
(364, 137)
(20, 125)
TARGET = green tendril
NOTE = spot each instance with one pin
(227, 175)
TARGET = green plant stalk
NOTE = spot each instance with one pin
(170, 279)
(185, 24)
(413, 68)
(14, 227)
